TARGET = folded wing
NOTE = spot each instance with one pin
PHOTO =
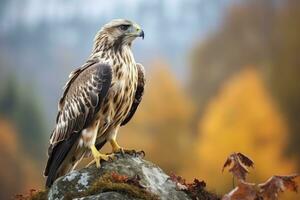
(82, 98)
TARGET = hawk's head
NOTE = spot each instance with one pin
(118, 32)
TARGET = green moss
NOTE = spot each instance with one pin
(106, 184)
(40, 195)
(131, 190)
(203, 195)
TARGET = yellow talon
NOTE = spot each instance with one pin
(98, 156)
(115, 147)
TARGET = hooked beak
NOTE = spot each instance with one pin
(138, 31)
(142, 34)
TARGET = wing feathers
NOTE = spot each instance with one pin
(58, 154)
(81, 100)
(82, 97)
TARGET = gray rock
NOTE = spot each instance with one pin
(108, 195)
(152, 178)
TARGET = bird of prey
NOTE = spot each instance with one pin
(100, 96)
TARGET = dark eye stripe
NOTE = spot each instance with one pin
(124, 27)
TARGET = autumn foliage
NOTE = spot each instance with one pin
(242, 94)
(195, 190)
(238, 164)
(241, 117)
(268, 190)
(162, 125)
(18, 171)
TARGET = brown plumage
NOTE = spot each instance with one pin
(99, 97)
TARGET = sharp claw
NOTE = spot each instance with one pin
(142, 153)
(111, 157)
(122, 152)
(98, 158)
(106, 158)
(98, 163)
(134, 153)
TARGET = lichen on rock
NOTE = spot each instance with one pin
(127, 177)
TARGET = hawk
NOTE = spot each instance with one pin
(100, 96)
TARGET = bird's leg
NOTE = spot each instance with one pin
(117, 149)
(98, 156)
(115, 146)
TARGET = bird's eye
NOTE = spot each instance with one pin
(124, 27)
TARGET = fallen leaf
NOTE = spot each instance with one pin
(119, 178)
(196, 186)
(245, 160)
(179, 181)
(238, 163)
(135, 180)
(276, 184)
(244, 191)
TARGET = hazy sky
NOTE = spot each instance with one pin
(61, 33)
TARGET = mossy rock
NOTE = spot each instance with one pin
(91, 183)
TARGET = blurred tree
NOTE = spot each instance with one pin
(19, 104)
(161, 126)
(285, 72)
(242, 117)
(239, 41)
(268, 40)
(18, 171)
(9, 97)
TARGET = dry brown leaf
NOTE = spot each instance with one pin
(245, 160)
(276, 184)
(266, 191)
(179, 181)
(118, 177)
(135, 180)
(244, 190)
(239, 163)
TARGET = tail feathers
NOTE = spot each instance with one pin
(57, 156)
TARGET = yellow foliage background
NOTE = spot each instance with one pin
(18, 172)
(242, 117)
(240, 92)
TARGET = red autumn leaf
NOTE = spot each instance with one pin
(245, 160)
(244, 190)
(179, 181)
(119, 178)
(276, 184)
(135, 180)
(195, 187)
(238, 163)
